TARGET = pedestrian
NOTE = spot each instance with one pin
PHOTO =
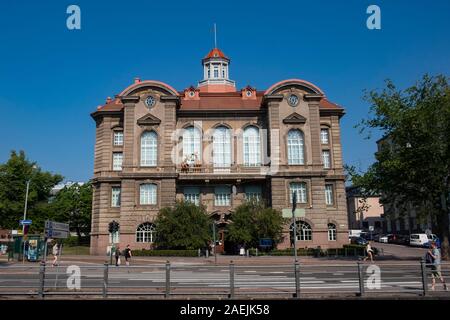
(369, 252)
(117, 255)
(55, 252)
(127, 255)
(434, 256)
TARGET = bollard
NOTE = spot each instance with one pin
(248, 253)
(41, 280)
(231, 295)
(105, 281)
(423, 267)
(167, 293)
(361, 279)
(297, 279)
(199, 253)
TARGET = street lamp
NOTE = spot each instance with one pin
(25, 211)
(294, 227)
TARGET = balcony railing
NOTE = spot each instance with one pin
(200, 168)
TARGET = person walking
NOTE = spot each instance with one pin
(369, 252)
(127, 255)
(55, 252)
(434, 255)
(117, 255)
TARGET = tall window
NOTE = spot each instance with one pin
(326, 159)
(331, 232)
(329, 198)
(115, 197)
(192, 194)
(209, 71)
(251, 147)
(253, 192)
(222, 147)
(303, 231)
(295, 144)
(149, 149)
(324, 138)
(118, 138)
(216, 71)
(147, 194)
(146, 232)
(117, 161)
(222, 196)
(300, 189)
(192, 144)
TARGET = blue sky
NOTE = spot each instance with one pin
(52, 78)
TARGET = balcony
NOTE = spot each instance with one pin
(198, 170)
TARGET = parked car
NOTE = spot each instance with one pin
(433, 238)
(383, 238)
(358, 240)
(418, 239)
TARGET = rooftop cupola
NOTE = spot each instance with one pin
(216, 73)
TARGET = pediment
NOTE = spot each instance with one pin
(148, 120)
(294, 118)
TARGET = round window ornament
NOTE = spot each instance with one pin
(191, 94)
(249, 93)
(293, 100)
(150, 101)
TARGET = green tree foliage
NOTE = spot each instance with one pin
(252, 221)
(184, 226)
(13, 178)
(412, 165)
(73, 205)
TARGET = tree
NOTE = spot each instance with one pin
(412, 165)
(73, 205)
(184, 226)
(13, 178)
(252, 221)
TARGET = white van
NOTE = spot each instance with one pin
(418, 239)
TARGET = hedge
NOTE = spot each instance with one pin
(346, 250)
(165, 253)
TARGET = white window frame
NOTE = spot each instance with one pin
(115, 196)
(324, 136)
(332, 232)
(326, 159)
(148, 194)
(222, 196)
(118, 138)
(301, 189)
(149, 149)
(192, 194)
(192, 144)
(303, 230)
(253, 192)
(117, 161)
(329, 194)
(222, 147)
(146, 233)
(296, 147)
(252, 147)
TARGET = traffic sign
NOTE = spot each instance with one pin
(25, 222)
(56, 229)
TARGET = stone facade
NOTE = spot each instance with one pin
(207, 108)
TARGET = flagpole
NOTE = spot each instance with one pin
(215, 36)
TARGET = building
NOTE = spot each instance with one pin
(364, 213)
(218, 145)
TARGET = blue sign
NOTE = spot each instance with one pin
(265, 242)
(25, 222)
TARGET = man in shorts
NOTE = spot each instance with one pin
(435, 255)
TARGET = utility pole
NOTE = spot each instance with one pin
(294, 227)
(25, 218)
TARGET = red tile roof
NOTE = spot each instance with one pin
(216, 53)
(225, 100)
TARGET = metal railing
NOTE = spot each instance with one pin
(231, 281)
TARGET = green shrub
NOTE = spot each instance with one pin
(73, 241)
(165, 253)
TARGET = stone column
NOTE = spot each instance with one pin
(129, 124)
(314, 123)
(169, 127)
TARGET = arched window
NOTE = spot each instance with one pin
(300, 190)
(222, 147)
(192, 144)
(295, 143)
(149, 149)
(331, 232)
(146, 232)
(303, 230)
(147, 194)
(252, 152)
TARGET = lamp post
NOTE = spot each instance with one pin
(294, 227)
(25, 211)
